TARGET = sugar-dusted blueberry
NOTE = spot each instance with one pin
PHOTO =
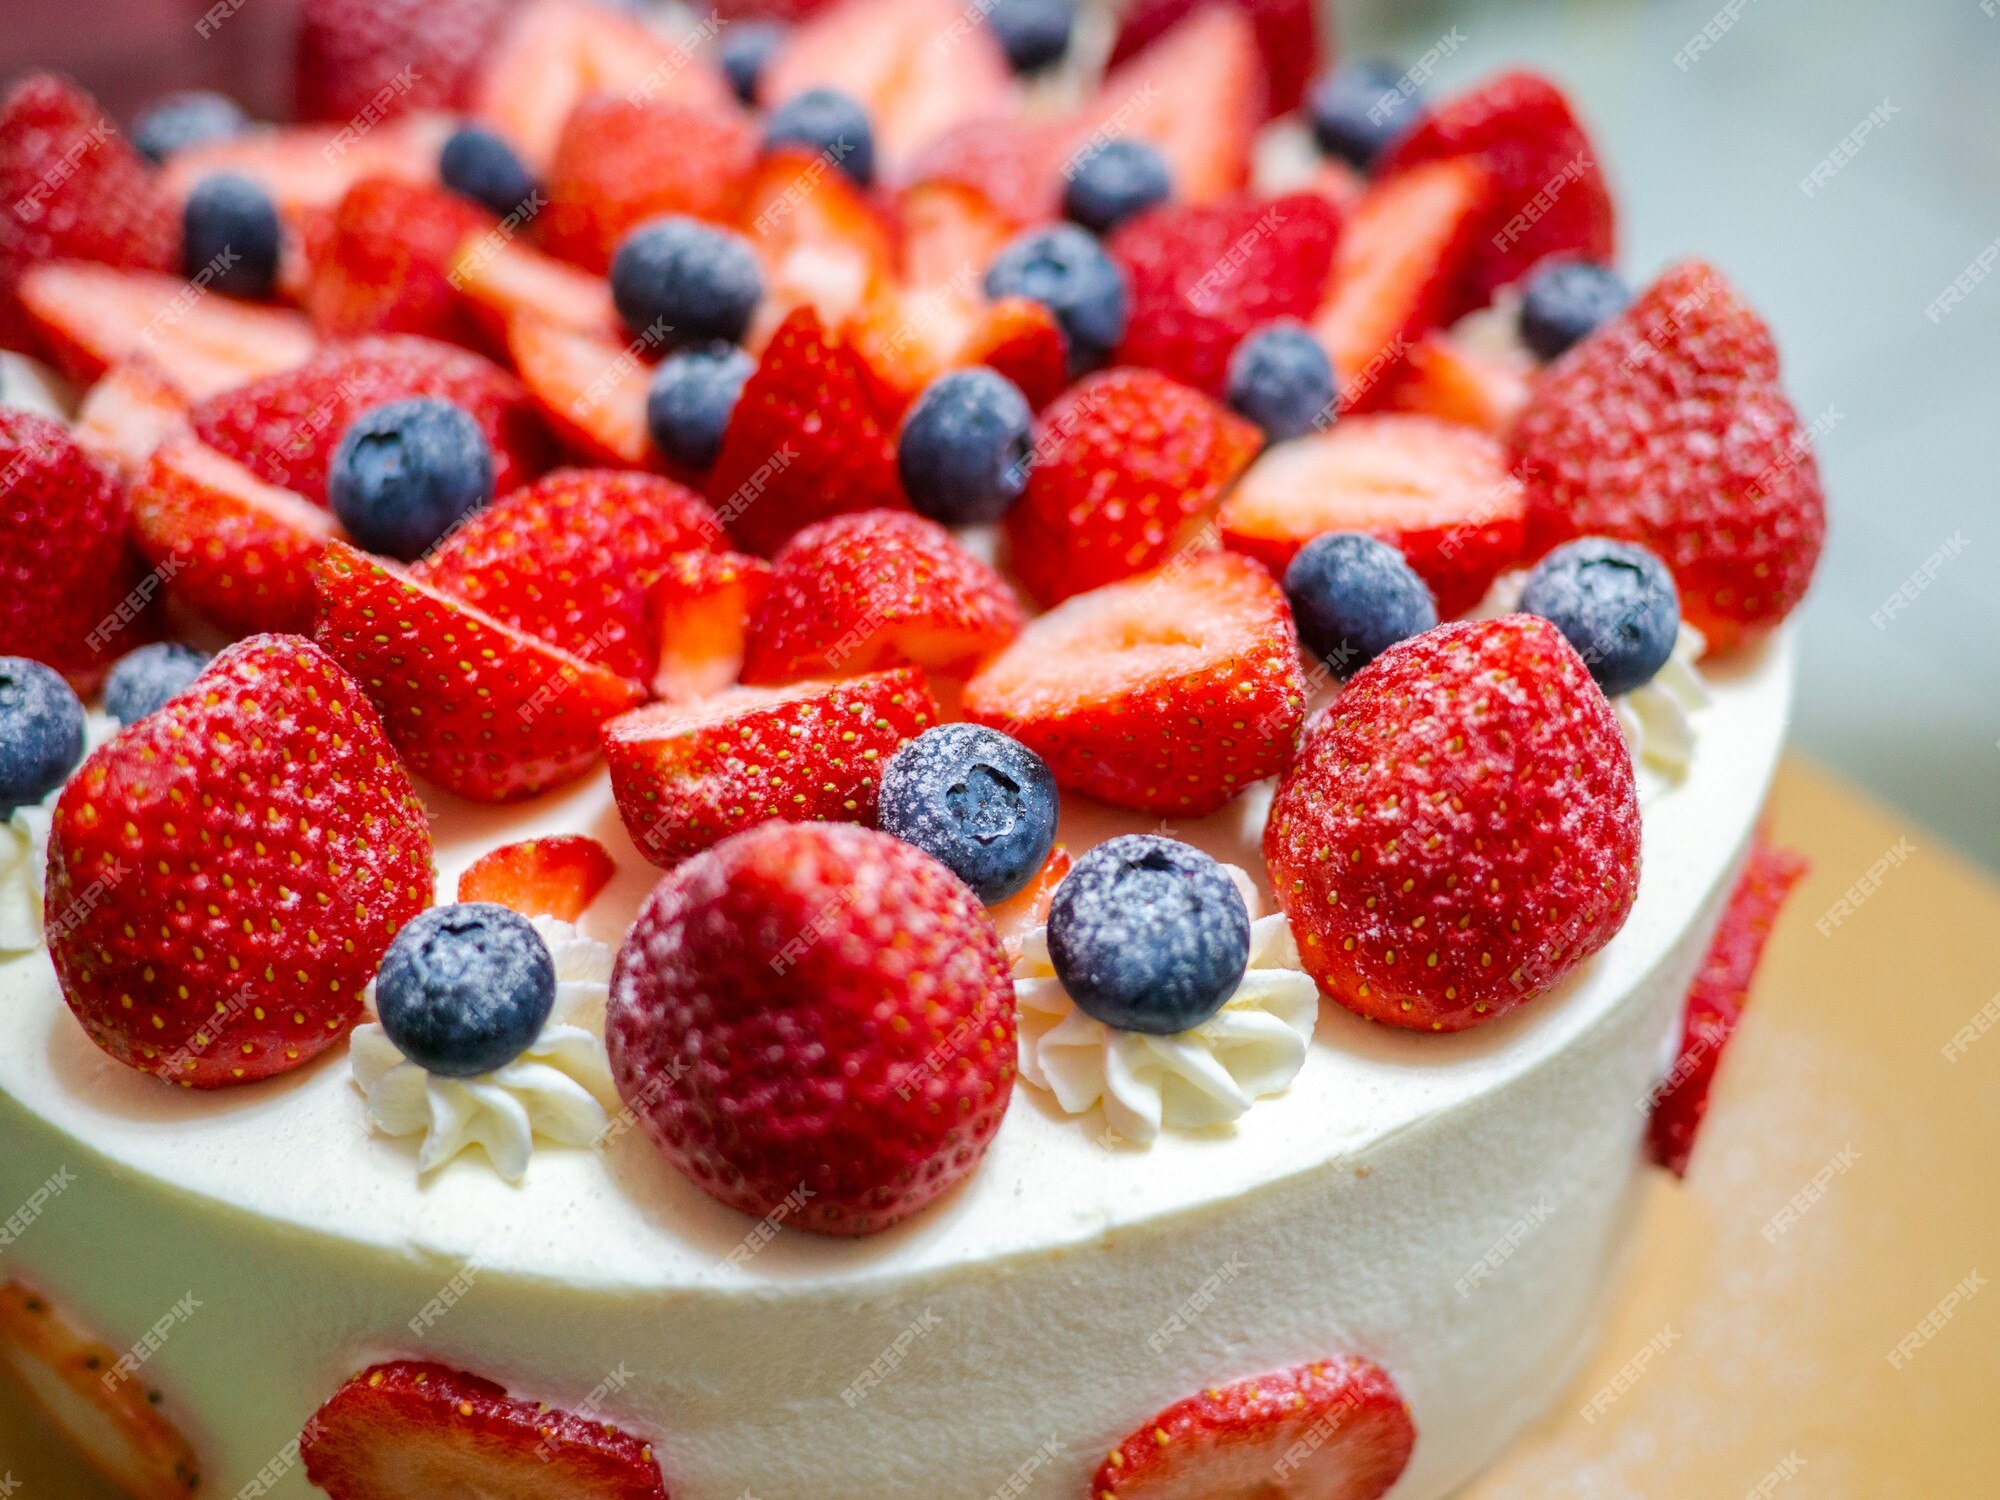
(229, 236)
(1065, 269)
(1359, 110)
(830, 124)
(1149, 934)
(746, 49)
(1033, 33)
(478, 164)
(1566, 300)
(1354, 596)
(965, 447)
(981, 803)
(679, 281)
(465, 989)
(1281, 378)
(691, 398)
(1110, 183)
(41, 732)
(404, 474)
(1613, 601)
(194, 117)
(145, 679)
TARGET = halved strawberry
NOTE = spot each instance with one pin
(409, 1428)
(127, 414)
(307, 167)
(380, 262)
(91, 317)
(1442, 493)
(1447, 378)
(590, 387)
(474, 705)
(1169, 693)
(688, 775)
(822, 243)
(1336, 1429)
(1028, 908)
(1020, 338)
(237, 549)
(1012, 161)
(501, 276)
(359, 61)
(1288, 39)
(553, 877)
(116, 1424)
(702, 603)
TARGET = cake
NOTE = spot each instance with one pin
(618, 1051)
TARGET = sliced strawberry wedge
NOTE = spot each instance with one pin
(127, 414)
(1446, 378)
(822, 244)
(1444, 494)
(473, 705)
(408, 1428)
(1288, 38)
(702, 603)
(1337, 1429)
(590, 387)
(500, 276)
(1011, 161)
(1028, 908)
(554, 877)
(1020, 338)
(380, 262)
(306, 167)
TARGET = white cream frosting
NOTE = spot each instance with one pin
(558, 1090)
(24, 855)
(1658, 718)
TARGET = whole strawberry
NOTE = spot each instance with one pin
(224, 875)
(1668, 427)
(1460, 828)
(818, 1014)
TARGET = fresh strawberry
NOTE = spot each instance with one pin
(73, 188)
(624, 159)
(848, 1015)
(569, 557)
(1548, 191)
(277, 848)
(359, 61)
(876, 589)
(90, 318)
(1336, 1429)
(805, 441)
(1288, 39)
(1668, 427)
(66, 567)
(1204, 275)
(78, 1384)
(285, 427)
(1716, 999)
(1020, 338)
(381, 263)
(473, 705)
(1400, 256)
(446, 1432)
(591, 389)
(553, 877)
(1128, 468)
(1014, 162)
(1168, 693)
(499, 276)
(1460, 829)
(1443, 494)
(823, 245)
(235, 548)
(686, 776)
(701, 604)
(1028, 908)
(1447, 378)
(127, 414)
(305, 168)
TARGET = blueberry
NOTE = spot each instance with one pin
(229, 232)
(747, 48)
(465, 989)
(983, 804)
(679, 281)
(1565, 300)
(1033, 33)
(691, 399)
(178, 121)
(1281, 378)
(1110, 184)
(1066, 270)
(1360, 109)
(406, 473)
(145, 679)
(1353, 597)
(830, 124)
(1614, 602)
(1148, 934)
(965, 447)
(41, 732)
(480, 165)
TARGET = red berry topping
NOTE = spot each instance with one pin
(701, 604)
(591, 388)
(381, 262)
(1020, 338)
(1028, 908)
(1288, 39)
(126, 415)
(815, 1014)
(553, 877)
(364, 60)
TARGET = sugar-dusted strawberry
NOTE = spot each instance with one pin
(1669, 427)
(78, 1384)
(1013, 161)
(1166, 693)
(848, 1014)
(285, 427)
(1454, 380)
(473, 705)
(500, 276)
(822, 241)
(1548, 191)
(1129, 466)
(1716, 999)
(569, 557)
(447, 1432)
(359, 61)
(1335, 1429)
(1204, 275)
(805, 441)
(1020, 338)
(127, 414)
(688, 775)
(590, 388)
(701, 604)
(1288, 39)
(381, 262)
(1442, 493)
(235, 548)
(226, 873)
(875, 589)
(1460, 829)
(555, 877)
(623, 159)
(65, 563)
(1028, 908)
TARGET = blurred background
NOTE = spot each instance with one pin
(1732, 129)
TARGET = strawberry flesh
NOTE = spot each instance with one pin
(701, 605)
(553, 877)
